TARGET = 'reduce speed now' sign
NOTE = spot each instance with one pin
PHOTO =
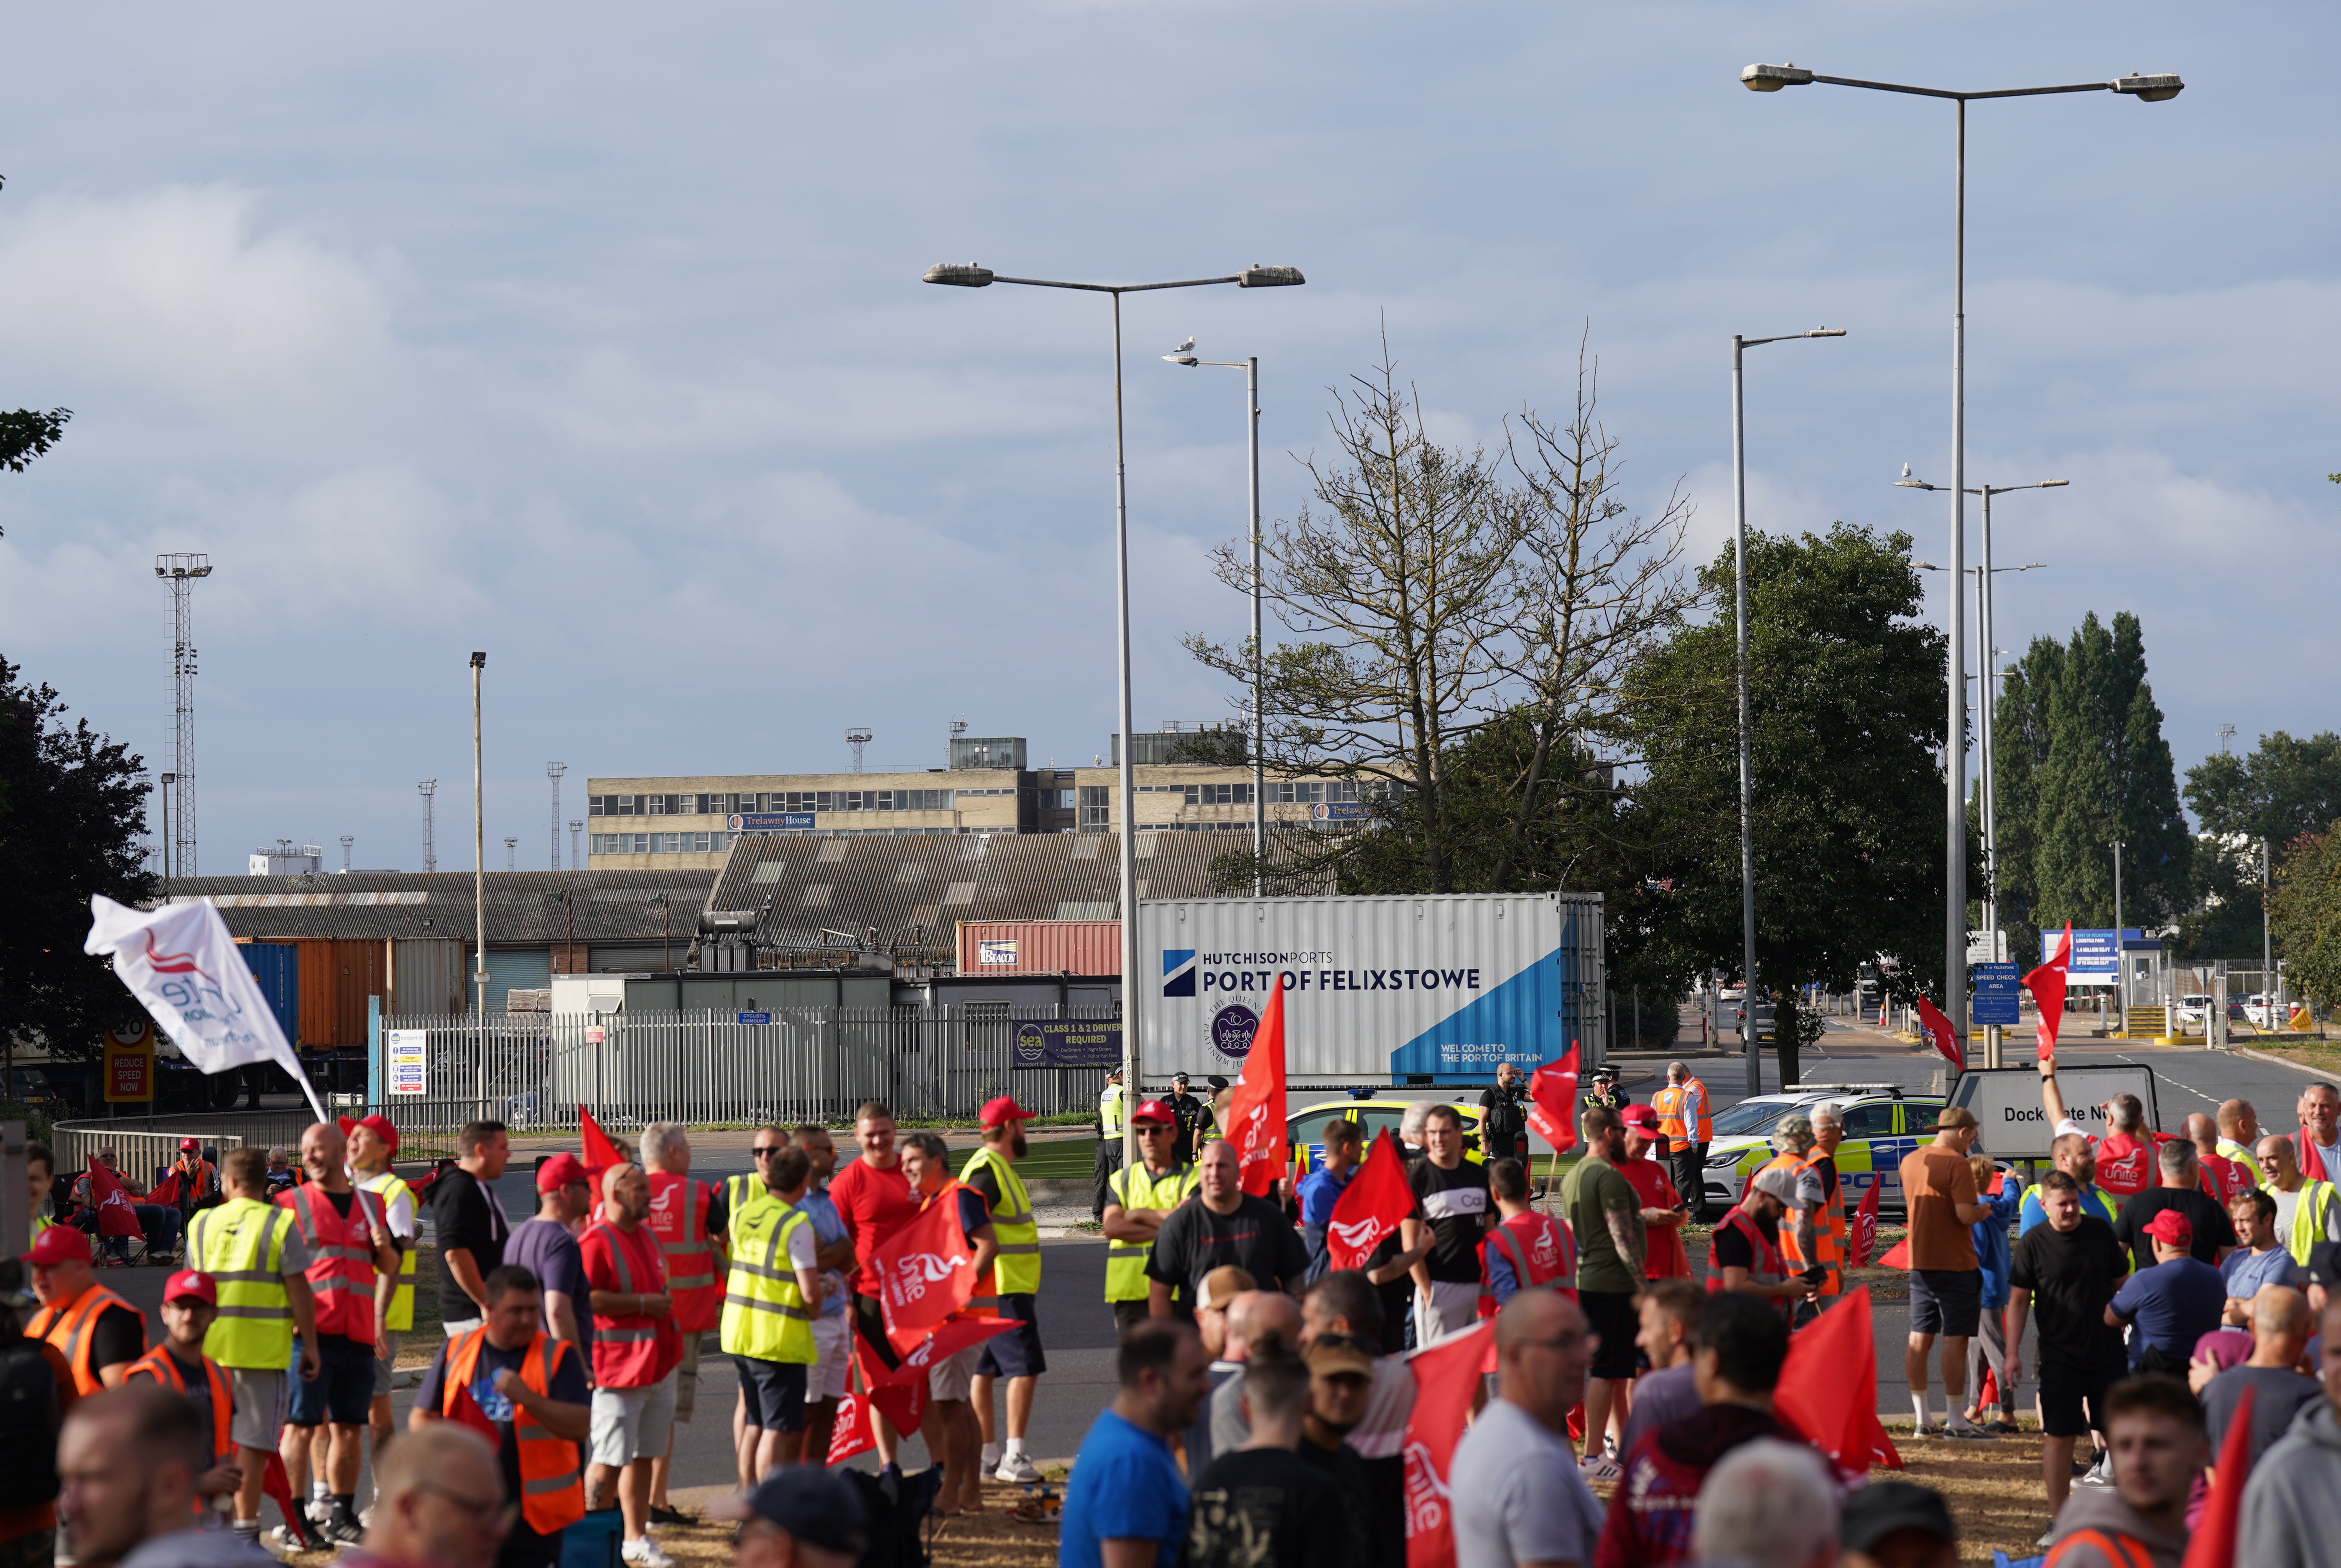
(1378, 990)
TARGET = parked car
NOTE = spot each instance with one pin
(1303, 1129)
(1881, 1125)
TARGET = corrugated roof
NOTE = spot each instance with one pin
(606, 906)
(914, 890)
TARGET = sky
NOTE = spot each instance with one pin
(591, 335)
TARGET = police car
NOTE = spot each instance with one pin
(1304, 1128)
(1881, 1125)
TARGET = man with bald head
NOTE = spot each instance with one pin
(2281, 1325)
(2222, 1178)
(2305, 1212)
(2240, 1133)
(1254, 1318)
(1516, 1494)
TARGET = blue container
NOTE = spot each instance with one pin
(277, 966)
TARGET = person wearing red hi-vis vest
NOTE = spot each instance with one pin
(686, 1215)
(2317, 1147)
(1528, 1250)
(2125, 1155)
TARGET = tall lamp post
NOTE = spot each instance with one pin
(968, 275)
(479, 856)
(1250, 367)
(2151, 89)
(1986, 713)
(1739, 346)
(164, 795)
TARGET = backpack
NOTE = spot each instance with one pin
(28, 1426)
(896, 1508)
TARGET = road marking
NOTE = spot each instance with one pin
(2173, 1082)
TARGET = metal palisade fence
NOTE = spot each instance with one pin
(532, 1070)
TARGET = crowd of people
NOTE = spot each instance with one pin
(1270, 1407)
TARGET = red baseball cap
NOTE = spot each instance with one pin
(59, 1244)
(1644, 1116)
(190, 1147)
(1003, 1109)
(191, 1284)
(379, 1125)
(2172, 1227)
(562, 1170)
(1153, 1111)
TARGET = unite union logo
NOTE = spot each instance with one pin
(1425, 1492)
(913, 1273)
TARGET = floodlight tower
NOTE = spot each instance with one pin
(347, 839)
(180, 570)
(574, 864)
(427, 789)
(858, 738)
(553, 771)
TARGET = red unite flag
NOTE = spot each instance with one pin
(2047, 985)
(1552, 1101)
(2213, 1544)
(601, 1154)
(941, 1345)
(1828, 1388)
(1255, 1122)
(925, 1271)
(903, 1405)
(1446, 1376)
(114, 1214)
(852, 1432)
(1863, 1240)
(1370, 1207)
(1946, 1037)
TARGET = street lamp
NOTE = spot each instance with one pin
(1250, 367)
(1739, 346)
(1986, 712)
(479, 859)
(968, 275)
(2151, 89)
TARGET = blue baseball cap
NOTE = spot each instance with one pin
(815, 1506)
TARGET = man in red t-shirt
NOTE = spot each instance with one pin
(2222, 1179)
(636, 1349)
(874, 1199)
(1663, 1210)
(2124, 1154)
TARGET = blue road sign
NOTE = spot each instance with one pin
(1996, 988)
(755, 1018)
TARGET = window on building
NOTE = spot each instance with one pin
(1096, 807)
(1218, 794)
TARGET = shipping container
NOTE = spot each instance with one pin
(337, 976)
(426, 976)
(1039, 948)
(277, 966)
(1406, 990)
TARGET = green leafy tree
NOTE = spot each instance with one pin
(2082, 763)
(2284, 789)
(2305, 914)
(72, 808)
(1845, 687)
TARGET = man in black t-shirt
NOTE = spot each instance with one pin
(2065, 1272)
(471, 1223)
(1504, 1120)
(1262, 1506)
(1223, 1225)
(1452, 1193)
(2181, 1189)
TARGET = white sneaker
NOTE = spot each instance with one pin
(643, 1552)
(1016, 1469)
(1599, 1467)
(2101, 1472)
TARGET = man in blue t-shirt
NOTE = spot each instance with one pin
(1322, 1188)
(1126, 1505)
(2173, 1304)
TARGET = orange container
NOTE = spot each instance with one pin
(1090, 948)
(337, 976)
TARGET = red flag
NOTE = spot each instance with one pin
(114, 1214)
(2213, 1544)
(903, 1405)
(942, 1345)
(1552, 1101)
(1898, 1255)
(1370, 1207)
(925, 1271)
(1446, 1376)
(2047, 985)
(1864, 1239)
(165, 1192)
(601, 1154)
(1828, 1387)
(1946, 1037)
(1255, 1123)
(852, 1432)
(278, 1487)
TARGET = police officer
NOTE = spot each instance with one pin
(1193, 1117)
(1602, 1090)
(1504, 1118)
(1109, 1150)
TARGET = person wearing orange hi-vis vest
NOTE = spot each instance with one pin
(1688, 1120)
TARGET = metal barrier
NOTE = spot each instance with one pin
(530, 1071)
(144, 1147)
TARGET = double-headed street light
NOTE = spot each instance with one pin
(2151, 89)
(1739, 345)
(1250, 367)
(967, 275)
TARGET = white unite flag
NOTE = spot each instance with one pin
(182, 965)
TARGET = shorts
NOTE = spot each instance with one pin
(833, 1343)
(1946, 1301)
(458, 1327)
(1017, 1353)
(259, 1405)
(1612, 1315)
(631, 1424)
(2073, 1396)
(1452, 1306)
(384, 1365)
(951, 1378)
(870, 1324)
(686, 1379)
(343, 1391)
(773, 1393)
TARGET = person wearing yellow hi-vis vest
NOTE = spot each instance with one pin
(1112, 1105)
(373, 1142)
(1015, 1354)
(2305, 1212)
(253, 1252)
(1140, 1199)
(770, 1297)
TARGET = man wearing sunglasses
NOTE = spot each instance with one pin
(1138, 1201)
(437, 1501)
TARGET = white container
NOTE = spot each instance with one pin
(1406, 990)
